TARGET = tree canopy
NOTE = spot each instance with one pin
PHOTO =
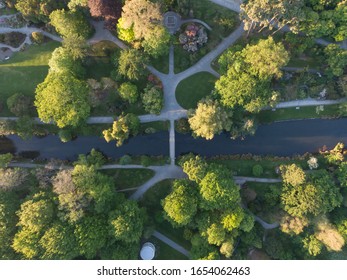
(63, 99)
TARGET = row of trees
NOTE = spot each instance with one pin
(67, 214)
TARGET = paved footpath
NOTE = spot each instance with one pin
(171, 243)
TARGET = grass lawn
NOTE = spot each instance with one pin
(161, 63)
(268, 116)
(155, 126)
(24, 71)
(309, 62)
(243, 167)
(165, 252)
(152, 201)
(98, 63)
(194, 88)
(129, 178)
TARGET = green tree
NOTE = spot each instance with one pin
(5, 159)
(157, 42)
(126, 222)
(218, 189)
(195, 167)
(26, 242)
(232, 218)
(128, 92)
(242, 89)
(153, 100)
(209, 118)
(215, 234)
(94, 158)
(122, 129)
(63, 99)
(142, 16)
(59, 243)
(19, 104)
(292, 175)
(9, 204)
(318, 196)
(336, 60)
(70, 22)
(37, 213)
(38, 10)
(312, 245)
(63, 61)
(181, 204)
(76, 45)
(91, 234)
(132, 64)
(266, 58)
(266, 13)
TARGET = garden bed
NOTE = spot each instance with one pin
(13, 39)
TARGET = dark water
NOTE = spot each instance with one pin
(282, 139)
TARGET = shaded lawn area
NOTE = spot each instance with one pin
(165, 252)
(307, 112)
(161, 63)
(194, 88)
(99, 63)
(129, 178)
(24, 71)
(152, 201)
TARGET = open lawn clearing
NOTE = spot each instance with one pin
(129, 178)
(165, 252)
(191, 90)
(24, 71)
(309, 112)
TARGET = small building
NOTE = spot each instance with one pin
(147, 251)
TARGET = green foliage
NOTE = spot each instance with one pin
(38, 10)
(181, 204)
(257, 170)
(132, 64)
(218, 189)
(312, 245)
(127, 222)
(128, 92)
(5, 159)
(124, 160)
(63, 61)
(194, 167)
(209, 118)
(122, 129)
(247, 75)
(37, 37)
(70, 22)
(94, 158)
(36, 213)
(292, 175)
(318, 196)
(91, 235)
(232, 219)
(65, 135)
(153, 100)
(19, 104)
(63, 99)
(156, 43)
(336, 59)
(9, 204)
(59, 243)
(76, 45)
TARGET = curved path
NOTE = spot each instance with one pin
(171, 243)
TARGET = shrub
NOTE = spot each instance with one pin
(257, 170)
(124, 160)
(19, 104)
(37, 37)
(145, 161)
(65, 135)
